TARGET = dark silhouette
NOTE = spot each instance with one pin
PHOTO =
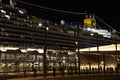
(35, 72)
(54, 71)
(25, 73)
(62, 70)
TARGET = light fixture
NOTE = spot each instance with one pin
(3, 11)
(40, 51)
(7, 16)
(40, 24)
(62, 22)
(11, 48)
(31, 49)
(70, 53)
(23, 50)
(102, 62)
(3, 50)
(76, 42)
(63, 61)
(91, 34)
(76, 50)
(21, 12)
(47, 28)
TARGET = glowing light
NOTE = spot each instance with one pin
(31, 49)
(91, 34)
(62, 22)
(40, 24)
(7, 16)
(21, 12)
(4, 49)
(11, 48)
(76, 50)
(2, 65)
(47, 28)
(3, 11)
(102, 62)
(103, 32)
(63, 61)
(70, 53)
(40, 50)
(76, 42)
(23, 50)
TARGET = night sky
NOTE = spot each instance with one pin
(107, 10)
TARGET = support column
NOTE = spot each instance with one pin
(104, 64)
(99, 71)
(116, 42)
(97, 43)
(78, 47)
(75, 64)
(89, 70)
(45, 52)
(44, 62)
(79, 61)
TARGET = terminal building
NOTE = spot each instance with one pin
(28, 42)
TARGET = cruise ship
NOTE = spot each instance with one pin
(28, 42)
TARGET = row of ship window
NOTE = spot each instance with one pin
(6, 56)
(35, 25)
(17, 19)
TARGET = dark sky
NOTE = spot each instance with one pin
(107, 10)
